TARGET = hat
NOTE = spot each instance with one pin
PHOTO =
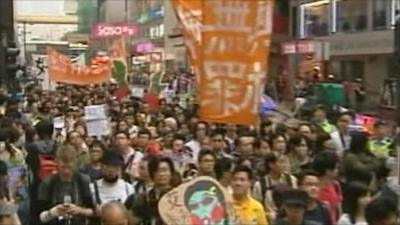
(112, 158)
(295, 198)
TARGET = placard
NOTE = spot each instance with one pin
(137, 92)
(95, 112)
(186, 204)
(59, 122)
(98, 128)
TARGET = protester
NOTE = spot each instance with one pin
(316, 212)
(114, 213)
(275, 175)
(294, 203)
(206, 163)
(161, 170)
(111, 187)
(143, 182)
(200, 133)
(92, 169)
(247, 209)
(357, 202)
(341, 137)
(381, 211)
(40, 161)
(279, 147)
(326, 165)
(321, 120)
(299, 154)
(131, 156)
(223, 172)
(65, 196)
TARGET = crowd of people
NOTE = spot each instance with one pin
(317, 172)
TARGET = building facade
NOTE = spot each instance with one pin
(6, 34)
(360, 35)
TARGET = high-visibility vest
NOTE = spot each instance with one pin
(381, 147)
(327, 127)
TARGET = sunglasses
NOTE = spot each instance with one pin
(208, 200)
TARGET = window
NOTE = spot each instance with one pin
(394, 7)
(381, 13)
(351, 70)
(315, 18)
(351, 15)
(161, 30)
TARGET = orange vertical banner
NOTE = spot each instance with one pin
(229, 42)
(60, 69)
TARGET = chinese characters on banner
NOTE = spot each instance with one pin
(61, 69)
(229, 43)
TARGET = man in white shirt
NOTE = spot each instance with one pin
(131, 157)
(111, 187)
(341, 137)
(200, 134)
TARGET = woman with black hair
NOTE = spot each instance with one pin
(359, 156)
(162, 172)
(356, 202)
(92, 169)
(298, 153)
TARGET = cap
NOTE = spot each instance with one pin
(112, 158)
(295, 198)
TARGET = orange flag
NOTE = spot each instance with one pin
(61, 69)
(229, 43)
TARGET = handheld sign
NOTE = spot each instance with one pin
(202, 201)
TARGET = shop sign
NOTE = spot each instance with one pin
(289, 47)
(144, 47)
(106, 30)
(155, 57)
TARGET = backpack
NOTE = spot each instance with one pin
(266, 184)
(47, 166)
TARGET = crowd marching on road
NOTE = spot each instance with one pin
(318, 172)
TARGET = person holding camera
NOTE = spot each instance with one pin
(65, 198)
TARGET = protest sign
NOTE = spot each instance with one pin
(181, 202)
(61, 69)
(229, 43)
(95, 112)
(97, 123)
(98, 128)
(137, 92)
(59, 122)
